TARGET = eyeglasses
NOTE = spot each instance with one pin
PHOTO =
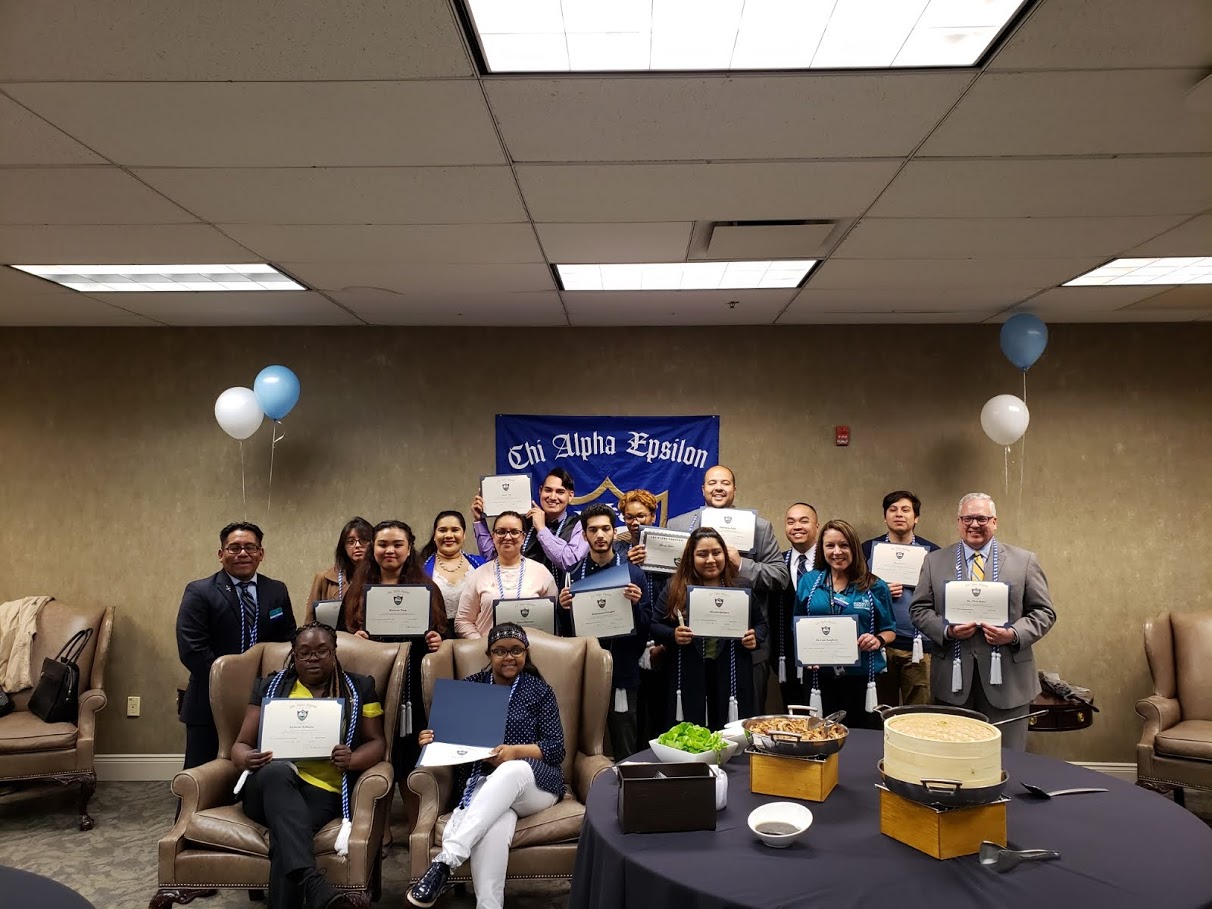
(312, 656)
(354, 541)
(501, 653)
(639, 518)
(237, 548)
(507, 533)
(979, 519)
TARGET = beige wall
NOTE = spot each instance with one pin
(114, 477)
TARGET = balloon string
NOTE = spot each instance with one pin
(1007, 469)
(272, 446)
(1022, 461)
(243, 493)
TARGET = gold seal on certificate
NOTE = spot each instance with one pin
(602, 613)
(830, 640)
(718, 612)
(987, 602)
(505, 492)
(897, 563)
(663, 547)
(736, 526)
(529, 612)
(299, 729)
(397, 610)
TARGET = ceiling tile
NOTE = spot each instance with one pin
(421, 243)
(280, 307)
(82, 195)
(1101, 299)
(118, 244)
(1087, 187)
(1074, 113)
(796, 316)
(26, 300)
(663, 242)
(28, 139)
(269, 124)
(423, 279)
(656, 118)
(327, 195)
(1105, 34)
(1194, 238)
(949, 238)
(1187, 296)
(675, 307)
(816, 190)
(220, 40)
(907, 300)
(382, 307)
(947, 273)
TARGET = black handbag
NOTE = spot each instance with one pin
(6, 703)
(56, 696)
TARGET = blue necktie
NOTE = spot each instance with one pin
(250, 612)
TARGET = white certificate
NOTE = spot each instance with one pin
(718, 612)
(506, 492)
(529, 612)
(663, 548)
(297, 729)
(735, 525)
(987, 602)
(602, 613)
(397, 610)
(896, 563)
(327, 611)
(830, 640)
(441, 754)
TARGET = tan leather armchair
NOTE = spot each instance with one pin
(213, 845)
(544, 844)
(1175, 749)
(33, 750)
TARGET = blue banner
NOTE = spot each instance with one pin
(608, 456)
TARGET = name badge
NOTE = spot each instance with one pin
(840, 603)
(275, 613)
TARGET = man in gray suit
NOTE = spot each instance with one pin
(762, 565)
(966, 668)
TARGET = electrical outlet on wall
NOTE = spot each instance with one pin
(133, 705)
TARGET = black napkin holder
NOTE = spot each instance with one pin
(666, 798)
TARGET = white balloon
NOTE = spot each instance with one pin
(1004, 419)
(238, 413)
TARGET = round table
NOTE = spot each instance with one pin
(24, 888)
(1126, 847)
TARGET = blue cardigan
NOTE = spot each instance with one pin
(858, 604)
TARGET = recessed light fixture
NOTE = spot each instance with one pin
(164, 278)
(527, 36)
(1171, 270)
(686, 275)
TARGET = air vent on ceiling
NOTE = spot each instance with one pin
(767, 239)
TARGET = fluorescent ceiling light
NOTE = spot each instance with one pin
(686, 275)
(164, 278)
(1171, 270)
(526, 36)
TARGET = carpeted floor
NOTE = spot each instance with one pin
(114, 865)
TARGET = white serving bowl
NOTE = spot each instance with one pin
(791, 813)
(667, 755)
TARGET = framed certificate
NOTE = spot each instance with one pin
(735, 525)
(718, 612)
(506, 492)
(327, 611)
(602, 614)
(397, 610)
(830, 640)
(299, 729)
(529, 612)
(896, 563)
(987, 602)
(663, 547)
(468, 722)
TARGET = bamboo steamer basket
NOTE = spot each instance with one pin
(915, 756)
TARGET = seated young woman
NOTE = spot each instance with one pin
(522, 777)
(295, 799)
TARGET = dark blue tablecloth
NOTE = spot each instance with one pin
(26, 890)
(1124, 848)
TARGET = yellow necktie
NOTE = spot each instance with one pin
(978, 567)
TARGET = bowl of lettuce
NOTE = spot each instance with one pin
(687, 742)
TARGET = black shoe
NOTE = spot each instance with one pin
(431, 886)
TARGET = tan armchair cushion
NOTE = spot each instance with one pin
(561, 823)
(22, 732)
(1190, 739)
(1193, 668)
(229, 829)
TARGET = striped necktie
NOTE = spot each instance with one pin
(801, 568)
(250, 611)
(978, 567)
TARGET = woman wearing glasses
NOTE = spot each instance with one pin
(446, 562)
(509, 576)
(352, 546)
(522, 777)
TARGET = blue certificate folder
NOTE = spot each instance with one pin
(607, 578)
(468, 722)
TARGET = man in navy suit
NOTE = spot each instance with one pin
(225, 613)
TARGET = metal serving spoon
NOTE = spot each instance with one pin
(1039, 793)
(1000, 859)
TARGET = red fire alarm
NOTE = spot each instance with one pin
(841, 436)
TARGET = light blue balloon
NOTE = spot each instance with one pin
(1024, 338)
(277, 391)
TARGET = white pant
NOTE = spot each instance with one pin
(484, 829)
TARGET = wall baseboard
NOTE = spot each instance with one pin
(135, 767)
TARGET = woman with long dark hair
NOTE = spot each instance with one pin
(295, 799)
(352, 546)
(446, 562)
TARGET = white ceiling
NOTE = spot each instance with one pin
(352, 143)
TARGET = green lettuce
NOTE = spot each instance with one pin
(693, 739)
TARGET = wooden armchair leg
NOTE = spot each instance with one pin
(166, 897)
(88, 785)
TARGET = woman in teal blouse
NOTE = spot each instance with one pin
(841, 585)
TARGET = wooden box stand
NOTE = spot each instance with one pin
(941, 832)
(808, 779)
